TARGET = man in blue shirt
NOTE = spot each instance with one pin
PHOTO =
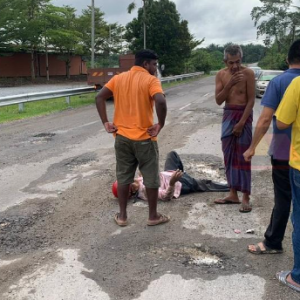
(279, 152)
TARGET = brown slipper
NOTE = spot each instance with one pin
(226, 201)
(162, 219)
(120, 222)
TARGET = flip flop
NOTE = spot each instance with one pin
(226, 201)
(162, 219)
(120, 222)
(268, 250)
(245, 208)
(282, 277)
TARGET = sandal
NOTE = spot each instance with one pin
(226, 201)
(245, 208)
(161, 220)
(120, 222)
(282, 277)
(267, 250)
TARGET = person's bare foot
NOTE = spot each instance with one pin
(232, 198)
(253, 248)
(261, 248)
(246, 206)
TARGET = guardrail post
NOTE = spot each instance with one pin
(21, 107)
(68, 100)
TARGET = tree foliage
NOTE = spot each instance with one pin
(211, 58)
(108, 37)
(167, 34)
(278, 21)
(38, 26)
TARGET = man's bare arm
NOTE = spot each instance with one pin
(161, 111)
(221, 93)
(101, 98)
(262, 127)
(281, 125)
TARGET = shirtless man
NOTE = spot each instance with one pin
(235, 85)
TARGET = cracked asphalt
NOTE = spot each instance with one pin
(58, 239)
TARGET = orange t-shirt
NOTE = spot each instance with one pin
(133, 99)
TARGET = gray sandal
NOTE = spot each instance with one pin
(282, 276)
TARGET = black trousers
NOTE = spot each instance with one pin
(190, 184)
(282, 204)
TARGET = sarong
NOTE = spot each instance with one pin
(238, 171)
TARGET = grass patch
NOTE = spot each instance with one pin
(45, 107)
(166, 85)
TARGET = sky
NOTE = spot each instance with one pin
(219, 22)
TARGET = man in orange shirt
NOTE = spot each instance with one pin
(135, 92)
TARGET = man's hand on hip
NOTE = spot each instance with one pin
(154, 130)
(110, 127)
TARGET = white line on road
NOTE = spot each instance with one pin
(73, 128)
(185, 106)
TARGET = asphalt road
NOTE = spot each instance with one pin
(58, 237)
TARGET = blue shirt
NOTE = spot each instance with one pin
(281, 140)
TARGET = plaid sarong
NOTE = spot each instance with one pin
(238, 171)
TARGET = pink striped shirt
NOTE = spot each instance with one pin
(165, 191)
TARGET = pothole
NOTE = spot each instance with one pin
(198, 255)
(44, 135)
(42, 138)
(79, 162)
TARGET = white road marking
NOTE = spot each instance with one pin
(185, 106)
(4, 263)
(77, 127)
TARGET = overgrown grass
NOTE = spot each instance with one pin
(45, 107)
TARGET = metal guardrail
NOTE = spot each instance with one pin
(24, 98)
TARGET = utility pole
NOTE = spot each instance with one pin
(93, 34)
(144, 9)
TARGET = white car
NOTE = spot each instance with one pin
(256, 70)
(263, 81)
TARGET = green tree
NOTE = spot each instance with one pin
(279, 22)
(21, 25)
(65, 37)
(275, 20)
(167, 34)
(108, 37)
(274, 60)
(253, 53)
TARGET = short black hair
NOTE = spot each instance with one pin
(294, 53)
(145, 55)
